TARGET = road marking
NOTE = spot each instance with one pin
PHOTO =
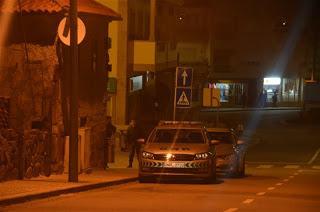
(316, 167)
(271, 188)
(285, 180)
(261, 193)
(300, 170)
(314, 156)
(273, 163)
(296, 174)
(231, 210)
(265, 166)
(291, 176)
(279, 184)
(292, 167)
(248, 201)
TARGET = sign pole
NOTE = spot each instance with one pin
(218, 110)
(175, 96)
(73, 143)
(174, 105)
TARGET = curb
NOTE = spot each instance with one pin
(26, 198)
(250, 109)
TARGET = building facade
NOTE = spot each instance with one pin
(236, 47)
(143, 57)
(251, 51)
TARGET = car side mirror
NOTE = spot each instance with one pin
(141, 141)
(215, 142)
(239, 142)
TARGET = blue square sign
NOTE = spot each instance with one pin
(183, 97)
(184, 77)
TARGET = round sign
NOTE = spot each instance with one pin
(64, 31)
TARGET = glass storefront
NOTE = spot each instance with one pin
(288, 90)
(271, 86)
(285, 91)
(231, 93)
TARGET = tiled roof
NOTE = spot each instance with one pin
(55, 6)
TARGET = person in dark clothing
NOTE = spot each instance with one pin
(133, 135)
(274, 98)
(244, 99)
(109, 132)
(265, 98)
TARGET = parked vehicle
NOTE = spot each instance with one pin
(230, 151)
(177, 149)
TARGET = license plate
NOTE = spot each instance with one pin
(173, 165)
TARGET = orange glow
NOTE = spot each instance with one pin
(5, 19)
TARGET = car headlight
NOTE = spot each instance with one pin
(147, 155)
(203, 156)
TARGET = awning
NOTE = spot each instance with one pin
(57, 6)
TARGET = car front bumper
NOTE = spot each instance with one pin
(197, 168)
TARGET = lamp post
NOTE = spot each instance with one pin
(73, 145)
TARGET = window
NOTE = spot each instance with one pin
(136, 83)
(131, 24)
(178, 136)
(226, 138)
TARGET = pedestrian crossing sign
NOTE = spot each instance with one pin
(183, 97)
(183, 100)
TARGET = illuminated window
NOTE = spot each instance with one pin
(272, 81)
(136, 83)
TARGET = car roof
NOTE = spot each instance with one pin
(180, 125)
(216, 129)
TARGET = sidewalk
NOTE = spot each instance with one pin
(17, 191)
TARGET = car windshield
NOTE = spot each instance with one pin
(221, 136)
(178, 136)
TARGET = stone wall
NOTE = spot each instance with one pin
(95, 114)
(37, 148)
(28, 83)
(34, 89)
(4, 112)
(9, 154)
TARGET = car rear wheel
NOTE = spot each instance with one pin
(238, 169)
(241, 166)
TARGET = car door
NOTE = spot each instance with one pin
(225, 146)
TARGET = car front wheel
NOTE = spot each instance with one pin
(213, 177)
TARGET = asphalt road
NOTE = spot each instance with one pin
(265, 188)
(282, 174)
(276, 136)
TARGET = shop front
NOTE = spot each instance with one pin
(285, 91)
(233, 93)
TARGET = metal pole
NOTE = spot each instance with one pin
(175, 90)
(174, 103)
(218, 109)
(73, 143)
